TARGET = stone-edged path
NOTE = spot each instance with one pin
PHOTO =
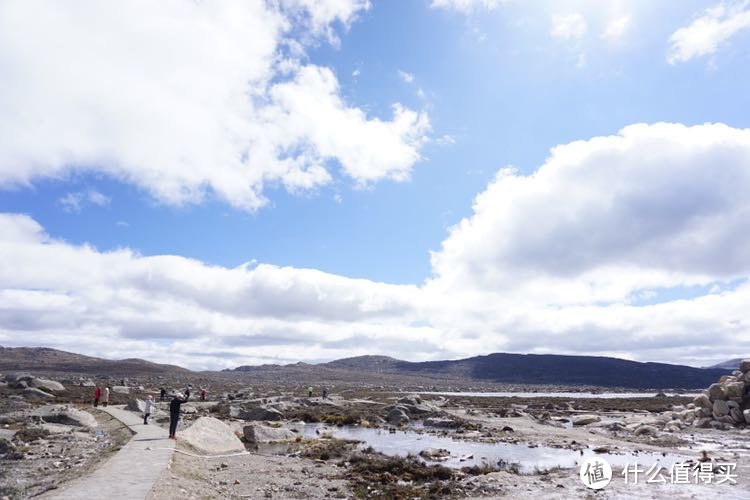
(132, 472)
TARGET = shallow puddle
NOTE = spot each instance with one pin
(466, 453)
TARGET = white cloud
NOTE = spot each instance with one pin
(74, 202)
(654, 206)
(466, 6)
(714, 27)
(616, 28)
(568, 26)
(176, 97)
(405, 76)
(553, 261)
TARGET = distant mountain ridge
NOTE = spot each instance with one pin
(539, 369)
(730, 364)
(45, 358)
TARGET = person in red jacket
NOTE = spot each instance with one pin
(97, 395)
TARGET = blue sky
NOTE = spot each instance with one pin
(483, 86)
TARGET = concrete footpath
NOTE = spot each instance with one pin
(132, 472)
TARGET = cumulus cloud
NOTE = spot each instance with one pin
(593, 253)
(120, 302)
(653, 206)
(177, 97)
(568, 26)
(713, 28)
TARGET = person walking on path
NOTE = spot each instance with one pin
(97, 395)
(325, 392)
(187, 391)
(203, 394)
(309, 392)
(147, 409)
(105, 398)
(174, 413)
(162, 394)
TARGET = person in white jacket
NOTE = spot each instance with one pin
(147, 409)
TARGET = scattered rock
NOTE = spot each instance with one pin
(121, 389)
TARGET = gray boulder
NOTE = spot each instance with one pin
(745, 365)
(734, 389)
(585, 419)
(398, 416)
(48, 385)
(716, 391)
(647, 430)
(66, 415)
(210, 436)
(702, 401)
(746, 415)
(258, 414)
(37, 393)
(721, 408)
(256, 433)
(440, 422)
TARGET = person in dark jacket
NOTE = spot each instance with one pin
(162, 394)
(174, 413)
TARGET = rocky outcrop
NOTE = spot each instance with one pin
(256, 433)
(33, 392)
(47, 385)
(724, 404)
(261, 414)
(210, 436)
(66, 415)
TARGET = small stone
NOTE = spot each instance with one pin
(236, 481)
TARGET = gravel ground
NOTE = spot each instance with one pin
(248, 476)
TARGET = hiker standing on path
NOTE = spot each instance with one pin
(174, 413)
(325, 392)
(309, 392)
(147, 409)
(105, 399)
(203, 394)
(162, 394)
(187, 391)
(97, 395)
